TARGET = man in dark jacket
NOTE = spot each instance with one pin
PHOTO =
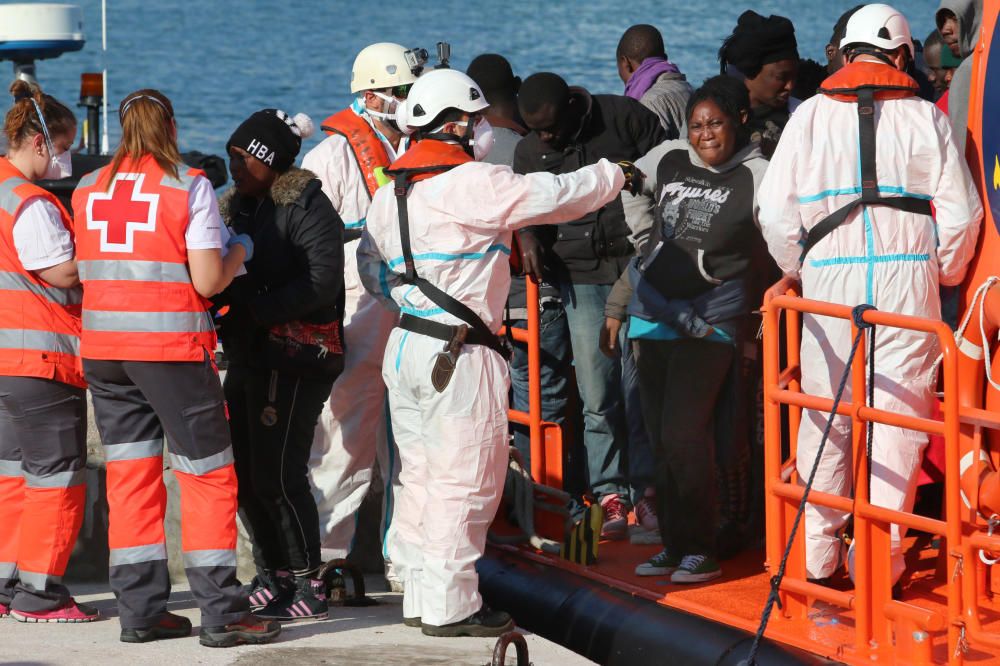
(572, 128)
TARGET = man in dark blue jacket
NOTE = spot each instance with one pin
(572, 128)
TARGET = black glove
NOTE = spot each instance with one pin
(634, 178)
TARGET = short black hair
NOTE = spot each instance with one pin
(728, 93)
(933, 39)
(640, 42)
(543, 89)
(494, 76)
(840, 27)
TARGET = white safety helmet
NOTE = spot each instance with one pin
(881, 26)
(382, 65)
(442, 89)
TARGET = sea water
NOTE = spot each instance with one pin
(221, 60)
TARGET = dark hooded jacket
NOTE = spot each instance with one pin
(297, 269)
(970, 15)
(596, 248)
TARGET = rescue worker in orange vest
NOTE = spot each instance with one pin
(149, 247)
(43, 406)
(352, 433)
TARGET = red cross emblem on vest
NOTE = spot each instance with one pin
(121, 211)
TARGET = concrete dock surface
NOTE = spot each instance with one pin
(370, 636)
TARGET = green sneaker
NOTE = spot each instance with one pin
(661, 564)
(696, 569)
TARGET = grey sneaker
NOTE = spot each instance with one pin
(696, 569)
(661, 564)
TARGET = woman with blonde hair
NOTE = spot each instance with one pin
(43, 407)
(150, 252)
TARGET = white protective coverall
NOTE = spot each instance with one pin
(352, 432)
(880, 256)
(453, 445)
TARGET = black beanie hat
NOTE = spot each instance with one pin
(757, 41)
(273, 137)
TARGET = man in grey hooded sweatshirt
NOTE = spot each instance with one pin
(958, 22)
(651, 78)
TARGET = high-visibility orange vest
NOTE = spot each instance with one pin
(369, 153)
(138, 300)
(39, 323)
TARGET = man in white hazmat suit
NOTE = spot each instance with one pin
(891, 253)
(352, 430)
(449, 409)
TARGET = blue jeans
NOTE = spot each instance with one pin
(556, 361)
(640, 460)
(599, 380)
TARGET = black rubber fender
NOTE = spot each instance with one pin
(613, 628)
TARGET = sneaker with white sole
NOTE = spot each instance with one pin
(71, 612)
(4, 610)
(661, 564)
(308, 603)
(270, 587)
(645, 512)
(615, 525)
(637, 536)
(696, 569)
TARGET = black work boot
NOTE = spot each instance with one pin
(250, 630)
(170, 625)
(484, 623)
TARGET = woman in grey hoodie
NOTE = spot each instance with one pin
(688, 299)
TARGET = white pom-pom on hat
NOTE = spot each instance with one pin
(305, 124)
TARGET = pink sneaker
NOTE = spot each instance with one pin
(4, 610)
(72, 612)
(645, 512)
(615, 518)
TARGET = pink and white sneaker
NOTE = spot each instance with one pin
(71, 613)
(4, 610)
(615, 518)
(645, 512)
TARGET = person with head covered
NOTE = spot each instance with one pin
(763, 52)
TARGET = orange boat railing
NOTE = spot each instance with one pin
(885, 630)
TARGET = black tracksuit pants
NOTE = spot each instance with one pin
(272, 416)
(680, 382)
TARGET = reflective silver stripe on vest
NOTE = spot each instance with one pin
(134, 271)
(8, 201)
(210, 558)
(55, 479)
(201, 466)
(149, 448)
(147, 322)
(17, 338)
(183, 181)
(88, 180)
(12, 281)
(38, 581)
(7, 570)
(10, 468)
(138, 554)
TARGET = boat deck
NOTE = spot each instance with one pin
(738, 598)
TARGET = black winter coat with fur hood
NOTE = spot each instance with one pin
(297, 269)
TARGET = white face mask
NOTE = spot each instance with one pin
(389, 115)
(60, 166)
(402, 118)
(482, 138)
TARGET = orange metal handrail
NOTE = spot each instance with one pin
(546, 465)
(876, 612)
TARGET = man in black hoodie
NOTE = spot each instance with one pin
(571, 128)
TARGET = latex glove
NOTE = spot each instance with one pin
(608, 342)
(245, 241)
(634, 178)
(531, 254)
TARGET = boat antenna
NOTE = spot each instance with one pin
(105, 147)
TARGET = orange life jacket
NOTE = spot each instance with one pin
(428, 158)
(369, 153)
(886, 82)
(39, 323)
(863, 83)
(139, 303)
